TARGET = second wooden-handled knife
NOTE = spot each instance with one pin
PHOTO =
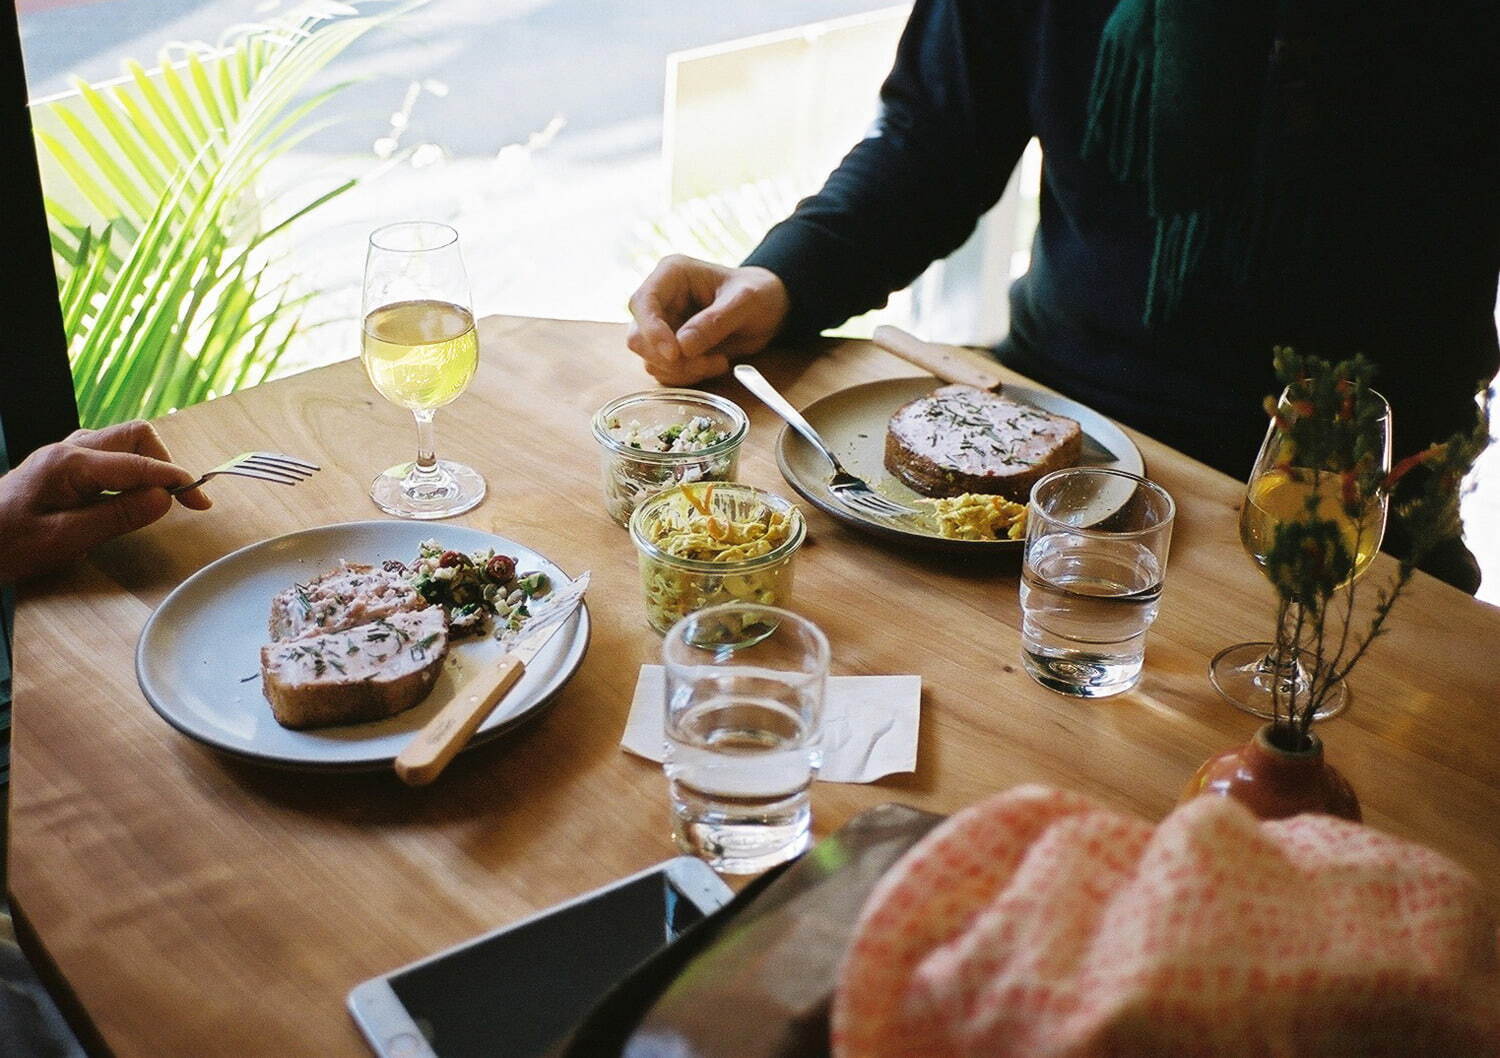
(445, 734)
(950, 363)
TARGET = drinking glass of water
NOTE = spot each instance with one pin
(1096, 550)
(420, 349)
(744, 713)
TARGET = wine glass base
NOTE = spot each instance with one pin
(1245, 676)
(446, 490)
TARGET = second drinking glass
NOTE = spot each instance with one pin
(1096, 552)
(420, 349)
(744, 715)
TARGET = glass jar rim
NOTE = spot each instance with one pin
(728, 408)
(697, 565)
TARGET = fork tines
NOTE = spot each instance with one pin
(856, 494)
(873, 505)
(276, 463)
(272, 466)
(263, 466)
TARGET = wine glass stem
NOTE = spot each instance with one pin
(426, 446)
(1282, 657)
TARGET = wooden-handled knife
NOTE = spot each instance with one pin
(950, 363)
(440, 739)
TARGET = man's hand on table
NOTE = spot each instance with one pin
(65, 498)
(692, 317)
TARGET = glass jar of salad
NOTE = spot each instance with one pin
(704, 544)
(660, 438)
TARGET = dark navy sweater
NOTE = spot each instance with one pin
(974, 80)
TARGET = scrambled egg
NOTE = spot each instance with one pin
(973, 516)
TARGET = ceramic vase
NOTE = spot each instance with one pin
(1274, 782)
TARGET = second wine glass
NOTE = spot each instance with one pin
(1286, 486)
(420, 350)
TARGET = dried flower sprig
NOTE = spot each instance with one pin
(1328, 412)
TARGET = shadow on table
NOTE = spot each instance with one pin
(490, 782)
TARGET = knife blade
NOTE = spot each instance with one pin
(440, 739)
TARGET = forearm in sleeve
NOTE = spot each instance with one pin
(952, 124)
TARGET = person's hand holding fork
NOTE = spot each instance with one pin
(94, 485)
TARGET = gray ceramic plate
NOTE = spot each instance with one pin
(198, 659)
(853, 422)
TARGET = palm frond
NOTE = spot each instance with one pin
(165, 277)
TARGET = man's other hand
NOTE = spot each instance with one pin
(691, 318)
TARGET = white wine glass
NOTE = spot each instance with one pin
(420, 349)
(1255, 676)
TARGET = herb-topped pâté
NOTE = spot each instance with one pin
(961, 439)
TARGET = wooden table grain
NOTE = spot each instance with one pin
(191, 904)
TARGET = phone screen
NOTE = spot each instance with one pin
(518, 992)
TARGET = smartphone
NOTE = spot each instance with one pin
(518, 989)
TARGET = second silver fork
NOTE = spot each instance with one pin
(851, 490)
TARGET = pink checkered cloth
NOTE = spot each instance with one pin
(1041, 924)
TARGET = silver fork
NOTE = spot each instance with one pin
(853, 492)
(263, 466)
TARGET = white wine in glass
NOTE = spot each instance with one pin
(420, 350)
(1294, 494)
(1250, 675)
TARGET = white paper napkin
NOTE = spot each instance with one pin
(869, 724)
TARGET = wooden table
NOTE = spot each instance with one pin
(195, 905)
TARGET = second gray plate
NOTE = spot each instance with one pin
(853, 422)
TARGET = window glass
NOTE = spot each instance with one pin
(533, 126)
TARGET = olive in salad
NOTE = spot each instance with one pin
(478, 591)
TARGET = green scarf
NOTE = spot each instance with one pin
(1263, 129)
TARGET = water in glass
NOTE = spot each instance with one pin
(739, 769)
(1086, 607)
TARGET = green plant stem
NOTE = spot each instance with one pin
(1382, 612)
(1319, 687)
(1278, 659)
(1299, 633)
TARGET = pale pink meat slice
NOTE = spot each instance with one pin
(367, 672)
(353, 594)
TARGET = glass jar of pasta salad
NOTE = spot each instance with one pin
(709, 543)
(661, 438)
